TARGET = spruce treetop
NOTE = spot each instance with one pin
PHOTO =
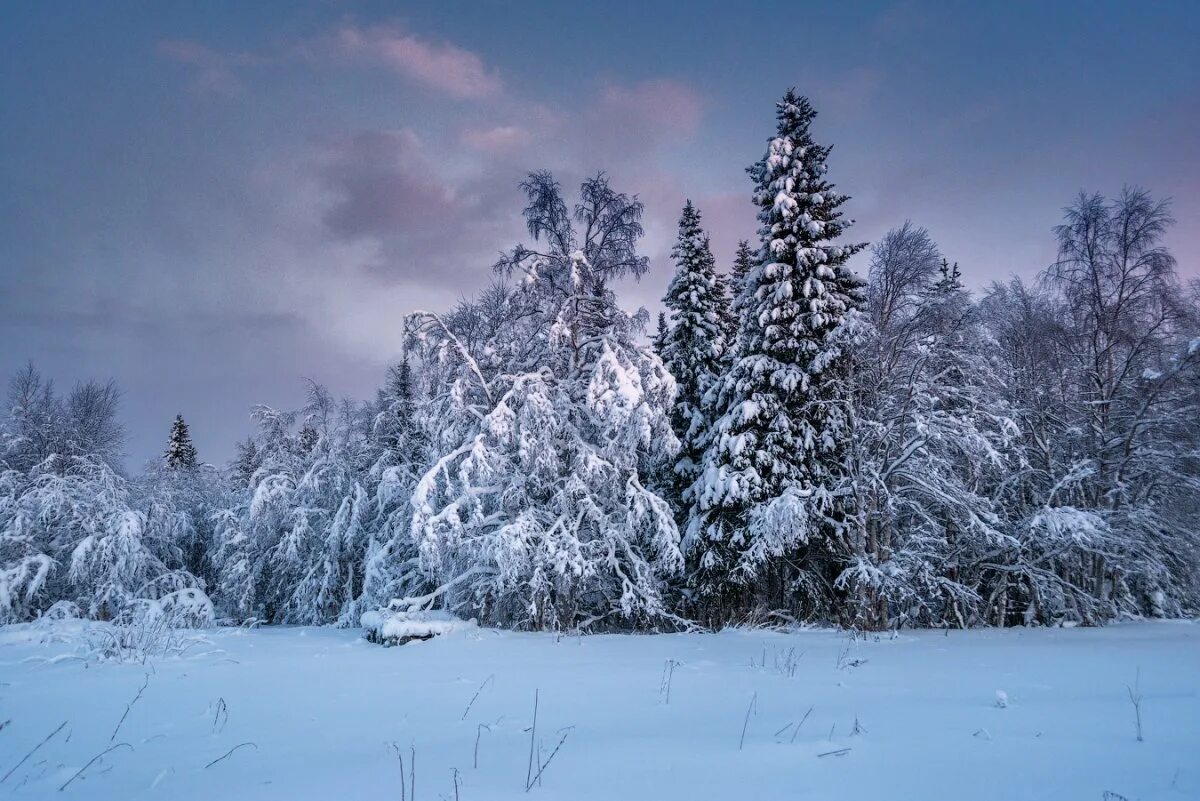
(181, 453)
(743, 262)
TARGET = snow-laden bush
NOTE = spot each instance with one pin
(389, 627)
(311, 537)
(188, 608)
(142, 630)
(71, 529)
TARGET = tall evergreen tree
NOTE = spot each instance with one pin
(181, 453)
(660, 334)
(247, 461)
(395, 419)
(774, 465)
(743, 262)
(694, 343)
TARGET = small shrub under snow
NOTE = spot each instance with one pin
(142, 629)
(396, 628)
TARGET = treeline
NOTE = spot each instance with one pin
(796, 443)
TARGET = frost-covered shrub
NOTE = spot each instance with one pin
(21, 583)
(70, 530)
(188, 608)
(388, 627)
(312, 537)
(62, 610)
(148, 629)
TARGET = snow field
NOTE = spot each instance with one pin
(750, 715)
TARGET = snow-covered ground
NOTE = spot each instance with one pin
(1003, 715)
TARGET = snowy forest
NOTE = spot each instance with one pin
(816, 429)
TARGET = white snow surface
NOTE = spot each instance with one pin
(322, 708)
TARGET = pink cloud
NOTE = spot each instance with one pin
(387, 189)
(663, 105)
(499, 139)
(215, 71)
(626, 124)
(451, 69)
(382, 182)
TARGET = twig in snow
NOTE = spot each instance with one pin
(478, 731)
(858, 729)
(230, 753)
(664, 688)
(844, 661)
(1135, 698)
(801, 723)
(466, 711)
(91, 761)
(220, 716)
(455, 776)
(128, 707)
(749, 710)
(788, 662)
(32, 751)
(838, 752)
(400, 756)
(537, 777)
(4, 724)
(532, 740)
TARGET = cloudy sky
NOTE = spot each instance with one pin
(211, 201)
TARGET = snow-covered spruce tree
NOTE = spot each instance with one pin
(181, 453)
(536, 512)
(743, 262)
(246, 463)
(769, 509)
(661, 331)
(694, 342)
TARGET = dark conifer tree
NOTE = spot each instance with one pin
(247, 462)
(743, 262)
(660, 334)
(774, 465)
(181, 453)
(694, 343)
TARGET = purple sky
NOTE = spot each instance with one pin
(209, 202)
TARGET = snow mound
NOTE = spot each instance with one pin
(396, 628)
